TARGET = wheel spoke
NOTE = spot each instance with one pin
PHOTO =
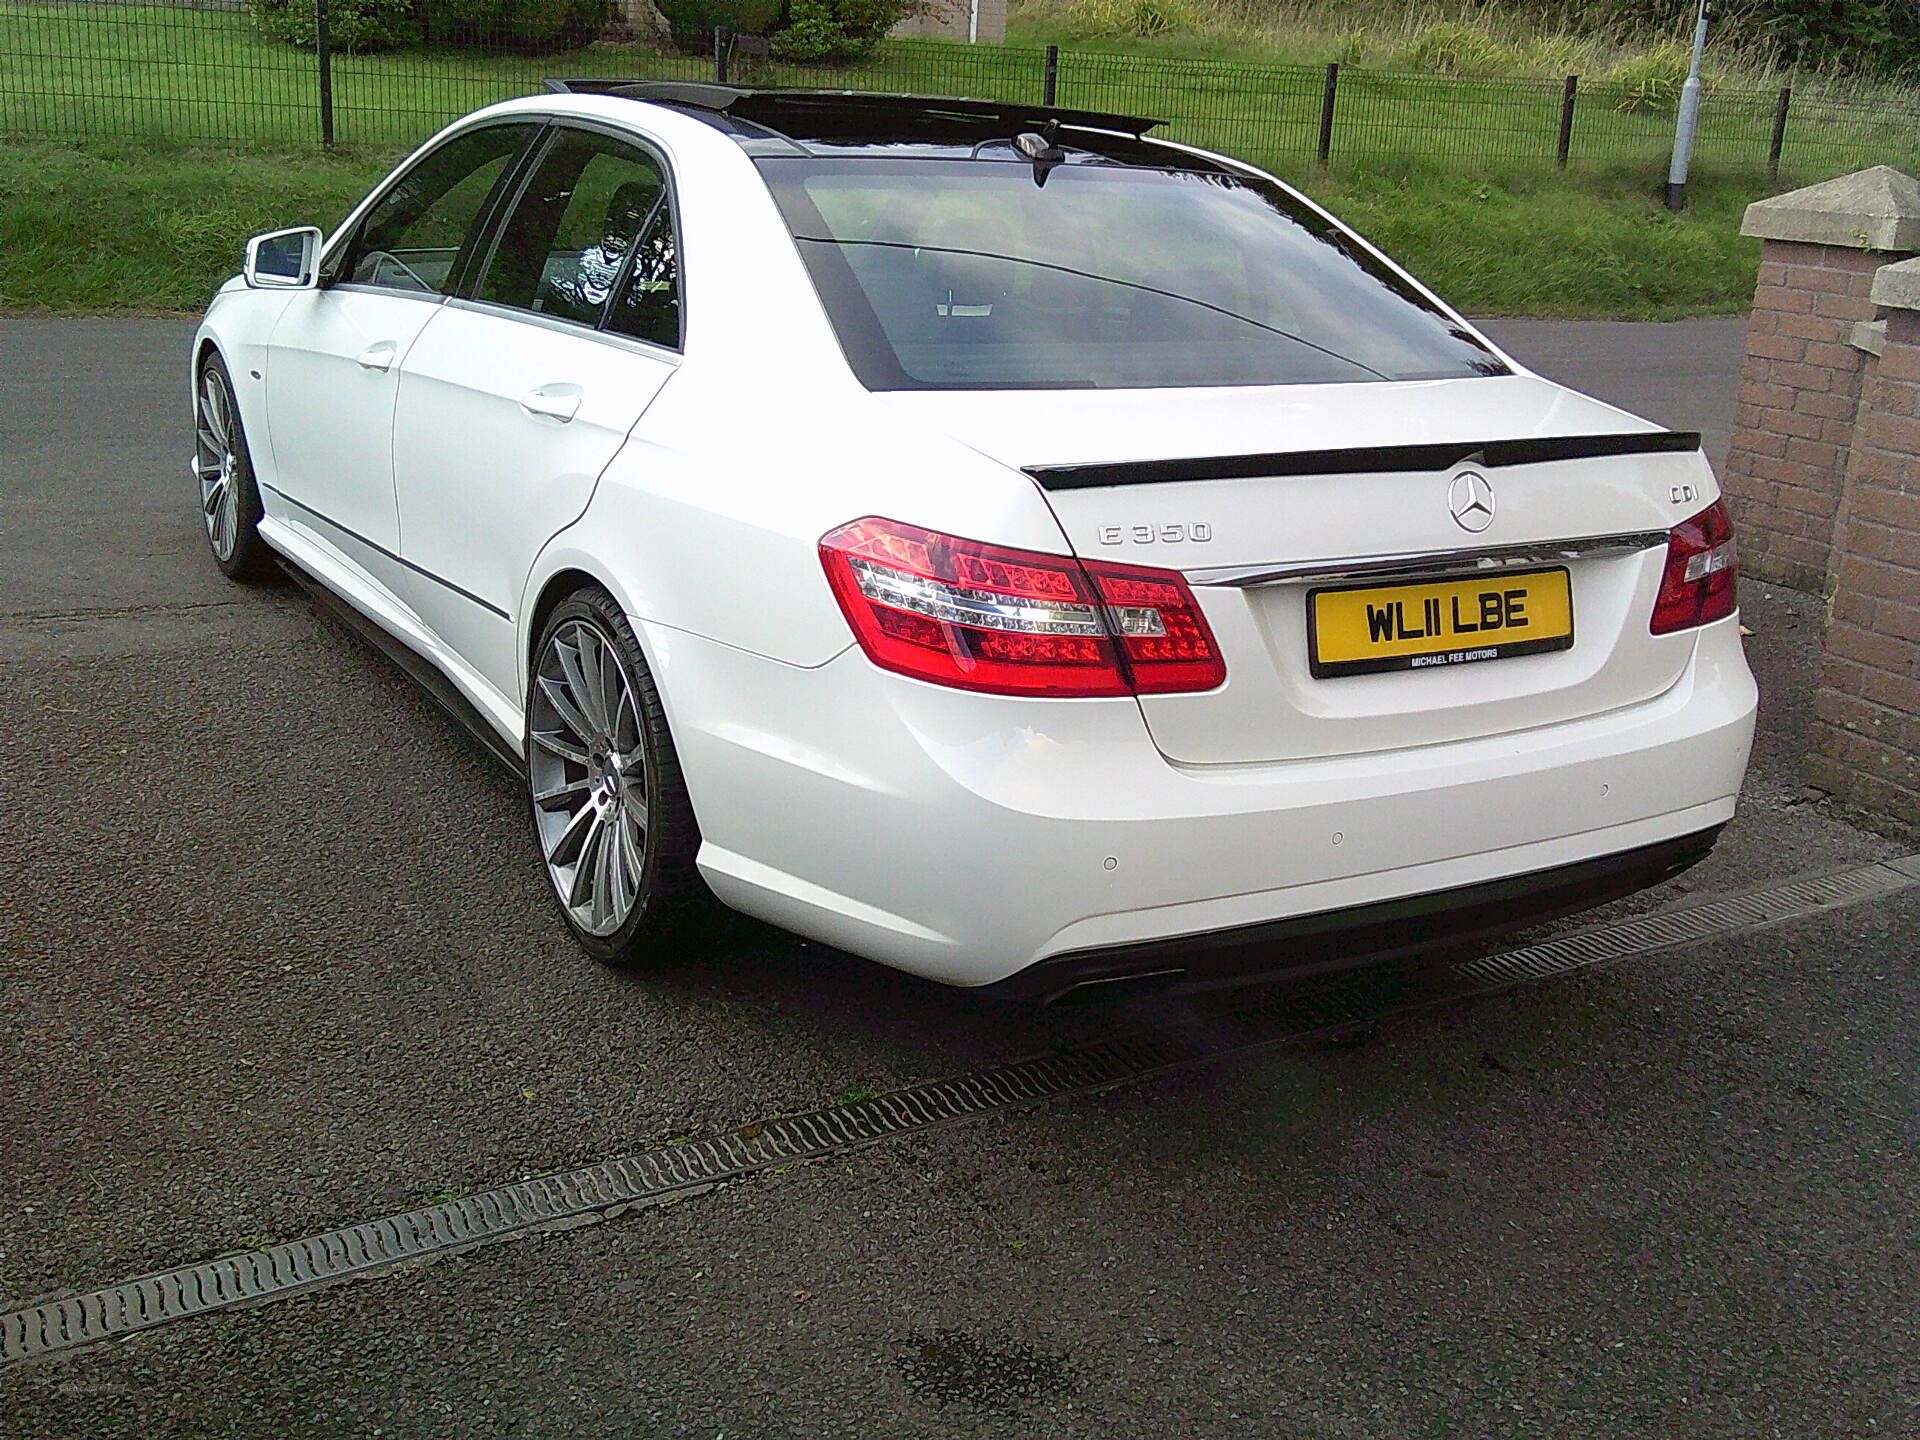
(555, 798)
(621, 873)
(613, 693)
(582, 691)
(216, 497)
(631, 857)
(569, 712)
(590, 847)
(595, 662)
(606, 890)
(570, 844)
(552, 742)
(216, 411)
(633, 799)
(626, 725)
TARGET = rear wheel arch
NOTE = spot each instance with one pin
(557, 588)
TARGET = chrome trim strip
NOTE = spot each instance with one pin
(1431, 562)
(578, 329)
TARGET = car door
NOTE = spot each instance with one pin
(333, 358)
(516, 395)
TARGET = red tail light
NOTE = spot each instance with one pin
(1016, 622)
(1702, 573)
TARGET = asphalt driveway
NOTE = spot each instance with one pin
(275, 954)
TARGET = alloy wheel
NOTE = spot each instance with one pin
(216, 462)
(587, 766)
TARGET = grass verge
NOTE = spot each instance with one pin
(209, 77)
(129, 227)
(132, 227)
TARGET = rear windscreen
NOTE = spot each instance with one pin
(946, 274)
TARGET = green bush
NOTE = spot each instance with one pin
(1651, 83)
(1853, 35)
(835, 31)
(360, 26)
(534, 26)
(692, 21)
(1453, 48)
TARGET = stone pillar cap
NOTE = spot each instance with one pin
(1873, 209)
(1897, 287)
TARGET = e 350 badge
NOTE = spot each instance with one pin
(1155, 534)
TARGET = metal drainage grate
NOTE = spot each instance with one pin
(377, 1245)
(1645, 934)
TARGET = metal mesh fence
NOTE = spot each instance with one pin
(207, 73)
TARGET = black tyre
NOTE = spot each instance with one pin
(610, 809)
(229, 498)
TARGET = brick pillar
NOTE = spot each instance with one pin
(1864, 744)
(1800, 381)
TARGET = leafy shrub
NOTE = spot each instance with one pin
(533, 26)
(834, 32)
(360, 26)
(1454, 48)
(1873, 35)
(1143, 18)
(1650, 83)
(1551, 55)
(692, 21)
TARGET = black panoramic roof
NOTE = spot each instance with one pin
(842, 117)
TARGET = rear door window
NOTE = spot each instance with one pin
(648, 305)
(575, 229)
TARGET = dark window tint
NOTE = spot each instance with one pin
(573, 229)
(967, 274)
(418, 230)
(648, 306)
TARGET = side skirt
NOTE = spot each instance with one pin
(416, 666)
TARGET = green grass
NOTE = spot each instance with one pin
(131, 226)
(191, 131)
(1467, 37)
(1593, 246)
(169, 73)
(128, 226)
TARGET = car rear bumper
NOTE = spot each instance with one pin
(968, 838)
(1366, 934)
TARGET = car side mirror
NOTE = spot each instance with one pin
(284, 260)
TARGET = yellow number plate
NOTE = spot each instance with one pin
(1351, 631)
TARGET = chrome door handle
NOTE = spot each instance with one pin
(378, 357)
(556, 402)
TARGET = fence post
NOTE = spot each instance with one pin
(1326, 110)
(719, 55)
(1050, 82)
(1566, 119)
(323, 48)
(1779, 131)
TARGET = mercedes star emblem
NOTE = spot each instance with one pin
(1470, 498)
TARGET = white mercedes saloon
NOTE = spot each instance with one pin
(982, 537)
